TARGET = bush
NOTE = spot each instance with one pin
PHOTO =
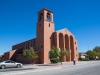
(84, 59)
(55, 60)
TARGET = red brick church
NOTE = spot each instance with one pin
(46, 37)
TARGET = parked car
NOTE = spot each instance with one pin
(10, 64)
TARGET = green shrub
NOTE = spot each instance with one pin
(55, 60)
(80, 59)
(84, 59)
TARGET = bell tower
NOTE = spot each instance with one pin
(45, 29)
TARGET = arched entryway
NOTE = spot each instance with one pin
(48, 17)
(67, 47)
(72, 47)
(61, 44)
(61, 41)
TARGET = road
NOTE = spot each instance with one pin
(91, 69)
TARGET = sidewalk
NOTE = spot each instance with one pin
(50, 65)
(27, 68)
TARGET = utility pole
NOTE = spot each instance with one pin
(88, 47)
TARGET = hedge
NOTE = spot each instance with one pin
(84, 59)
(55, 60)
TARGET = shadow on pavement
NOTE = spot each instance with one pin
(16, 69)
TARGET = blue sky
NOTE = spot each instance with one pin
(18, 20)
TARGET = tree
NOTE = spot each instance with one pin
(63, 53)
(30, 54)
(80, 55)
(54, 53)
(91, 54)
(97, 49)
(98, 54)
(88, 52)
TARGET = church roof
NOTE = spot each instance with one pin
(65, 30)
(46, 9)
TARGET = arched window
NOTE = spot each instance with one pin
(49, 24)
(41, 17)
(76, 48)
(48, 16)
(39, 25)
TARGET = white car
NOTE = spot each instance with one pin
(9, 63)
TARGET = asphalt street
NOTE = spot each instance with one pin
(91, 69)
